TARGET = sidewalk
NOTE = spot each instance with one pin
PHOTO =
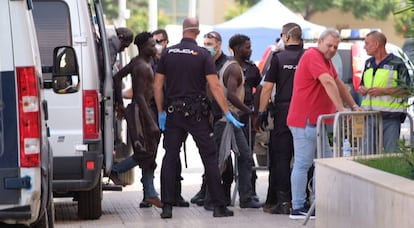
(121, 209)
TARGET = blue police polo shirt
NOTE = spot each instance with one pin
(185, 66)
(282, 71)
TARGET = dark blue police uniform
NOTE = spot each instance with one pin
(281, 72)
(185, 67)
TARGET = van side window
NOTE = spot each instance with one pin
(53, 29)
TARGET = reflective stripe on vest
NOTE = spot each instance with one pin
(384, 78)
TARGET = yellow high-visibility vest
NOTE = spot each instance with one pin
(384, 78)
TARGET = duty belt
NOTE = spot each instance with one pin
(194, 106)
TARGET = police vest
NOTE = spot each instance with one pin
(287, 64)
(383, 78)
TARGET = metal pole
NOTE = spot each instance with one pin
(192, 8)
(153, 15)
(123, 13)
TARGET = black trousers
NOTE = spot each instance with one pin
(248, 126)
(177, 127)
(280, 155)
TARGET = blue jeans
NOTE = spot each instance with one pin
(244, 160)
(147, 175)
(391, 135)
(304, 144)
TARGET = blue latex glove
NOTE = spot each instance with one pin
(162, 117)
(230, 118)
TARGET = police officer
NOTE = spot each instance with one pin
(187, 69)
(281, 72)
(381, 92)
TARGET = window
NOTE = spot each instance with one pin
(53, 29)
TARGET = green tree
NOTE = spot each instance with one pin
(138, 21)
(110, 8)
(404, 19)
(378, 9)
(236, 10)
(248, 2)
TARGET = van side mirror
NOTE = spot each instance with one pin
(65, 75)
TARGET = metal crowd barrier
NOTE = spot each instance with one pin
(362, 129)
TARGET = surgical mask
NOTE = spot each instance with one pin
(159, 48)
(211, 50)
(280, 45)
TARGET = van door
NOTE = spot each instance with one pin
(108, 105)
(65, 119)
(9, 166)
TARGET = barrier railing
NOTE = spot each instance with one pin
(364, 130)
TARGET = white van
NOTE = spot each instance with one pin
(80, 104)
(25, 155)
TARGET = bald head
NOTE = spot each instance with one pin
(191, 27)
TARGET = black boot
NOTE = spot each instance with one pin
(222, 211)
(199, 197)
(283, 204)
(179, 200)
(208, 204)
(166, 211)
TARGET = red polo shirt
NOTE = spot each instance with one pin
(309, 98)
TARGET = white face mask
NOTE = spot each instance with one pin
(280, 45)
(211, 50)
(159, 48)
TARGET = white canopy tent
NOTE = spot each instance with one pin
(263, 24)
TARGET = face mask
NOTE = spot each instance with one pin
(211, 50)
(159, 48)
(280, 45)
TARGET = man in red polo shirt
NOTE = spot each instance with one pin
(317, 90)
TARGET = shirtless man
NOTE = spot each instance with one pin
(141, 119)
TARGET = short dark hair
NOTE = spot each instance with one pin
(292, 30)
(142, 38)
(214, 35)
(125, 34)
(237, 40)
(161, 31)
(378, 36)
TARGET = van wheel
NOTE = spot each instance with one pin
(90, 202)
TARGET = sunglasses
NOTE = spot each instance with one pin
(159, 40)
(210, 36)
